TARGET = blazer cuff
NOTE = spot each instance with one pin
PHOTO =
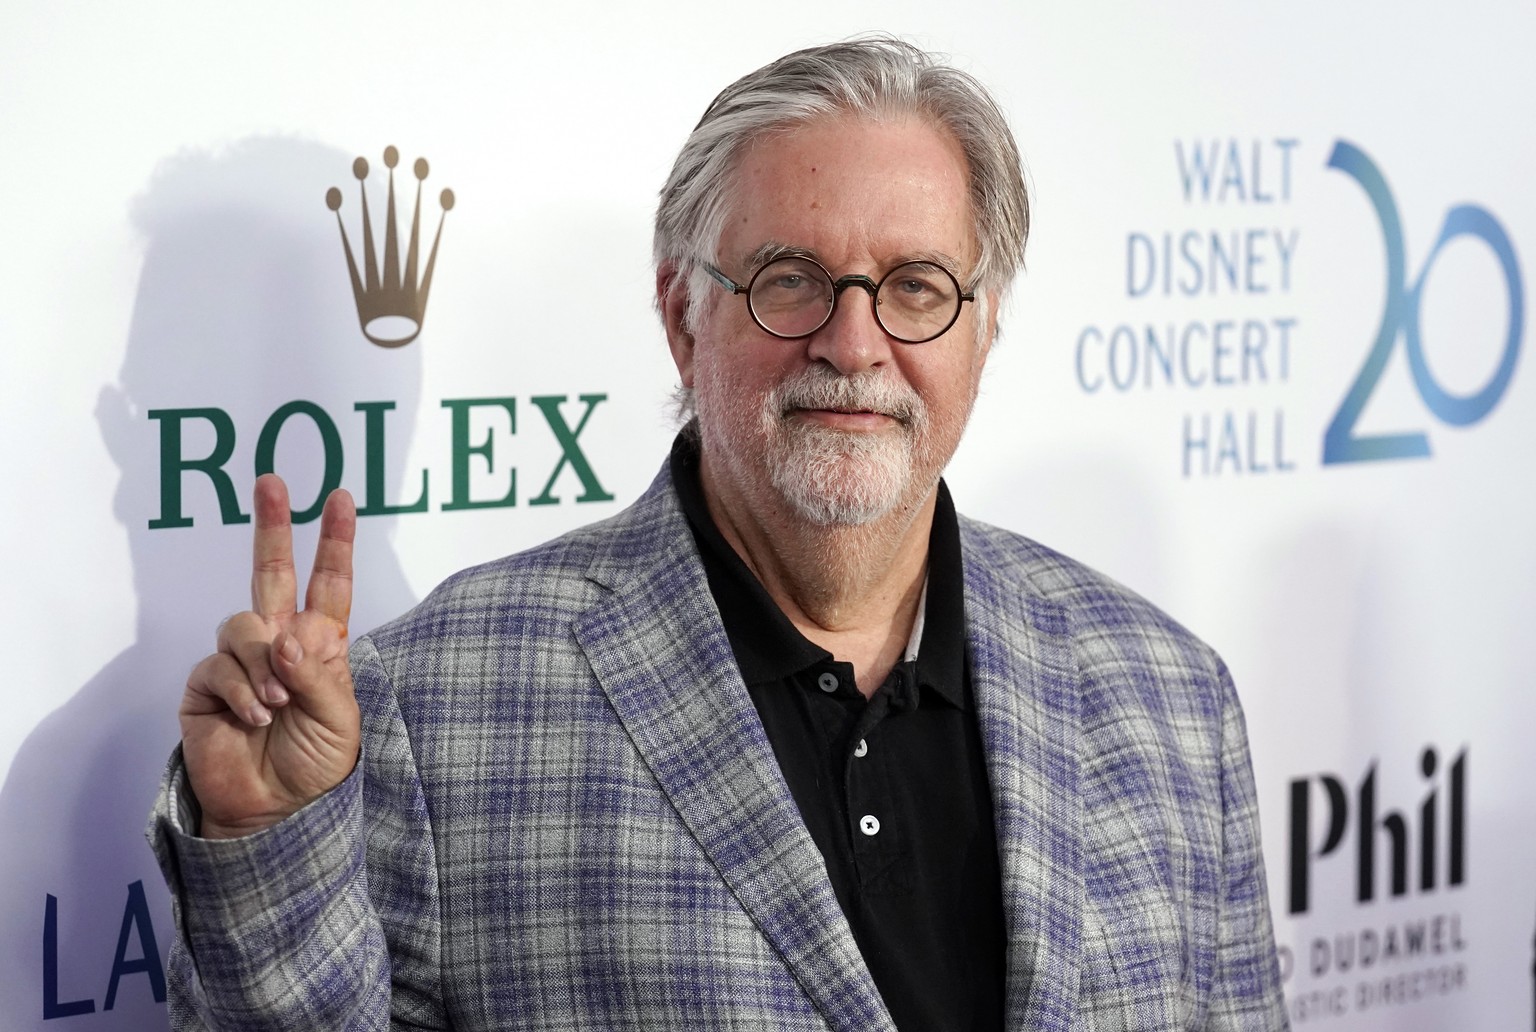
(226, 889)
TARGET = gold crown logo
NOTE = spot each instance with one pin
(391, 309)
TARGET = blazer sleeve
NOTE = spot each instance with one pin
(326, 920)
(1246, 993)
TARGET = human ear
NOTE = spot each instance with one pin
(987, 334)
(672, 302)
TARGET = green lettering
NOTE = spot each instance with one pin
(173, 465)
(373, 487)
(330, 440)
(570, 451)
(462, 450)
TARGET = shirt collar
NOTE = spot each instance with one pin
(768, 646)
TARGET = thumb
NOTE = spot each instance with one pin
(321, 690)
(304, 670)
(288, 659)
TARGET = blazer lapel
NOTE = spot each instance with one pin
(660, 653)
(1027, 698)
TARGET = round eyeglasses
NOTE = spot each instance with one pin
(795, 296)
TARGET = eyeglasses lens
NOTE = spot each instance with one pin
(917, 301)
(791, 297)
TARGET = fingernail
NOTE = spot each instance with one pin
(275, 693)
(290, 650)
(259, 715)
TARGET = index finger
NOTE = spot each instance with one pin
(330, 582)
(274, 587)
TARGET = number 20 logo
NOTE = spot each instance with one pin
(1340, 443)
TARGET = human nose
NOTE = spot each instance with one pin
(852, 339)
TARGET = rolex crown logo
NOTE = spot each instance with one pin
(390, 308)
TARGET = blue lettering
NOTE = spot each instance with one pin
(1201, 443)
(1254, 339)
(1234, 177)
(1195, 169)
(1284, 326)
(1259, 196)
(1221, 351)
(52, 1008)
(1252, 260)
(1286, 246)
(136, 916)
(1226, 259)
(1122, 334)
(1253, 440)
(1133, 243)
(1220, 167)
(1234, 451)
(1159, 357)
(1082, 341)
(1191, 262)
(1228, 448)
(1190, 377)
(1282, 465)
(1285, 146)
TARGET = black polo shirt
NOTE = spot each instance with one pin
(893, 789)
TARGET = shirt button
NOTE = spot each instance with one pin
(827, 683)
(861, 749)
(869, 824)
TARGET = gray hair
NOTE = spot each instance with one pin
(876, 77)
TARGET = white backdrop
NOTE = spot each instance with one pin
(1205, 290)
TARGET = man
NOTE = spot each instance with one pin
(786, 744)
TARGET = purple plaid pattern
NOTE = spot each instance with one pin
(567, 816)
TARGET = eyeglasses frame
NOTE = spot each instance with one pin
(838, 286)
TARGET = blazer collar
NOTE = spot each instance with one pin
(661, 654)
(1027, 699)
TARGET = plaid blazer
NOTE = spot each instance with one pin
(567, 816)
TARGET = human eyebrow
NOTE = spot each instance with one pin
(773, 250)
(939, 258)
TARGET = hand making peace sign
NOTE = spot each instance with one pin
(269, 722)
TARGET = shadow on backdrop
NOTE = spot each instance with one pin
(243, 304)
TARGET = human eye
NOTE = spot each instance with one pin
(789, 282)
(919, 286)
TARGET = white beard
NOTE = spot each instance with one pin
(831, 476)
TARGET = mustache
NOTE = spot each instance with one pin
(821, 388)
